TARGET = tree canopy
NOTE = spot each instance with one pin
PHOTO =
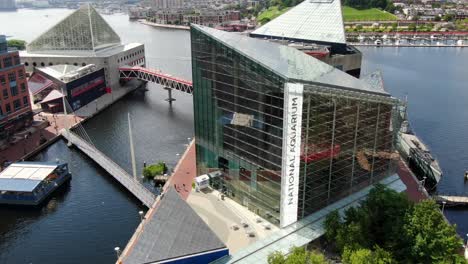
(387, 226)
(298, 255)
(17, 43)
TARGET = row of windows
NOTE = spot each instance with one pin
(13, 90)
(12, 77)
(129, 56)
(42, 64)
(9, 61)
(17, 105)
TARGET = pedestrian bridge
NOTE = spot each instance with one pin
(156, 76)
(132, 184)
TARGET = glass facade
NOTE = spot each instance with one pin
(83, 30)
(238, 124)
(347, 141)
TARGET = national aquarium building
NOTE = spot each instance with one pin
(289, 133)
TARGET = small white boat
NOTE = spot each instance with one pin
(378, 42)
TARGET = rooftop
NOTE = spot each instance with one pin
(174, 231)
(290, 63)
(314, 20)
(83, 30)
(24, 176)
(81, 53)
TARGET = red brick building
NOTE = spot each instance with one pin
(15, 106)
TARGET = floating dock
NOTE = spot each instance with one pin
(451, 200)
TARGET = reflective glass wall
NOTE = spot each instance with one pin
(238, 109)
(347, 144)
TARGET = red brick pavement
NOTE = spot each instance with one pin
(184, 172)
(19, 149)
(413, 190)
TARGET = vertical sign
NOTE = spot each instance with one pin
(292, 122)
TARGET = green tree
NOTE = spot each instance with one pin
(432, 239)
(154, 169)
(17, 43)
(367, 256)
(298, 255)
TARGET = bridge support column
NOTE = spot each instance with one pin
(169, 95)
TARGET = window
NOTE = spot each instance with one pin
(8, 108)
(42, 64)
(17, 104)
(14, 90)
(25, 101)
(7, 62)
(11, 77)
(17, 60)
(20, 74)
(23, 87)
(34, 64)
(5, 93)
(50, 64)
(26, 63)
(2, 79)
(83, 64)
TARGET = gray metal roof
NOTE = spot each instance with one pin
(315, 20)
(174, 231)
(290, 63)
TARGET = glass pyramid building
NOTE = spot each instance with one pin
(313, 20)
(83, 30)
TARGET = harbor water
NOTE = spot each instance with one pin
(85, 221)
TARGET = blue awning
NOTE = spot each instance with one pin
(18, 185)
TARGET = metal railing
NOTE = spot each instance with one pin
(133, 185)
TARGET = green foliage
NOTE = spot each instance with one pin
(17, 43)
(388, 222)
(366, 4)
(298, 255)
(431, 238)
(372, 14)
(154, 169)
(271, 13)
(367, 256)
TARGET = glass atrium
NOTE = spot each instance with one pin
(347, 138)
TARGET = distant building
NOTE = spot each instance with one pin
(7, 4)
(80, 85)
(210, 18)
(166, 4)
(80, 39)
(316, 28)
(15, 110)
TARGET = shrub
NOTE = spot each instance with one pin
(154, 169)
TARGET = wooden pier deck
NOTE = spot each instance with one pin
(132, 185)
(451, 200)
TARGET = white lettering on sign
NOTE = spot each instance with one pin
(292, 120)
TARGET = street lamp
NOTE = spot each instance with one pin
(117, 251)
(141, 213)
(443, 206)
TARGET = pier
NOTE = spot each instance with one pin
(451, 199)
(130, 183)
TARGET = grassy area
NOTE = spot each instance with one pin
(373, 14)
(269, 14)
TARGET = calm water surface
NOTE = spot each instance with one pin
(84, 222)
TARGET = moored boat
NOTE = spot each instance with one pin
(30, 183)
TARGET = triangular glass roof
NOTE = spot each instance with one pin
(290, 63)
(83, 30)
(313, 20)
